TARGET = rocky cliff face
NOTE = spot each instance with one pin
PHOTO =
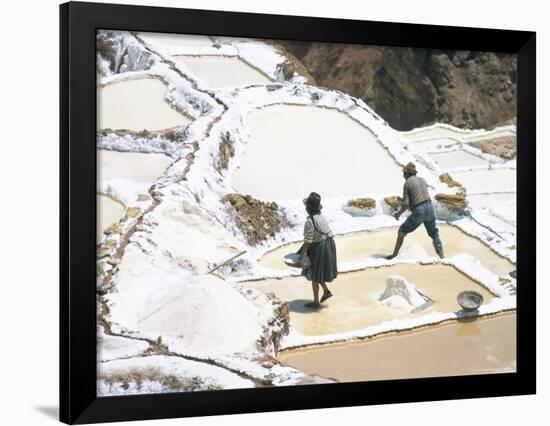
(414, 87)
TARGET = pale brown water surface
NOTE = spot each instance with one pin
(481, 346)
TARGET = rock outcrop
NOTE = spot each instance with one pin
(414, 87)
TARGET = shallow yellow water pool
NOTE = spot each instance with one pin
(359, 246)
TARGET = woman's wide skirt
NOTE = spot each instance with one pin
(323, 261)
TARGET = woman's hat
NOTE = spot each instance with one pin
(313, 201)
(410, 168)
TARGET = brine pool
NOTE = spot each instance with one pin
(292, 149)
(361, 245)
(480, 346)
(136, 105)
(355, 302)
(223, 71)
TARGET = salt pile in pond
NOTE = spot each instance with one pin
(401, 294)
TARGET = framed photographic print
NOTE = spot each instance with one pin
(265, 212)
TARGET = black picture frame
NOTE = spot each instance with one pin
(78, 25)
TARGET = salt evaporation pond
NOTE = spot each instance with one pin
(358, 246)
(293, 150)
(223, 71)
(177, 40)
(492, 135)
(433, 133)
(481, 346)
(433, 144)
(458, 159)
(482, 181)
(136, 105)
(355, 303)
(131, 166)
(481, 201)
(109, 211)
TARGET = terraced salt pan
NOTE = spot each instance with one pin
(135, 166)
(482, 346)
(293, 150)
(506, 211)
(458, 159)
(492, 135)
(136, 105)
(223, 71)
(359, 246)
(481, 201)
(433, 144)
(481, 181)
(355, 303)
(109, 211)
(177, 40)
(433, 132)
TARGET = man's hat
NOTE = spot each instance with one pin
(410, 169)
(313, 201)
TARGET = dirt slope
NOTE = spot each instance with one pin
(414, 87)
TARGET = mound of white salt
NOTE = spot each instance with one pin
(192, 236)
(205, 316)
(401, 294)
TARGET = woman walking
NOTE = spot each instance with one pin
(321, 250)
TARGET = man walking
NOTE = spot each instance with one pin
(417, 199)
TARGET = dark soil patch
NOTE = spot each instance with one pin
(503, 147)
(257, 220)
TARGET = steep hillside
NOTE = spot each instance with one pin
(414, 87)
